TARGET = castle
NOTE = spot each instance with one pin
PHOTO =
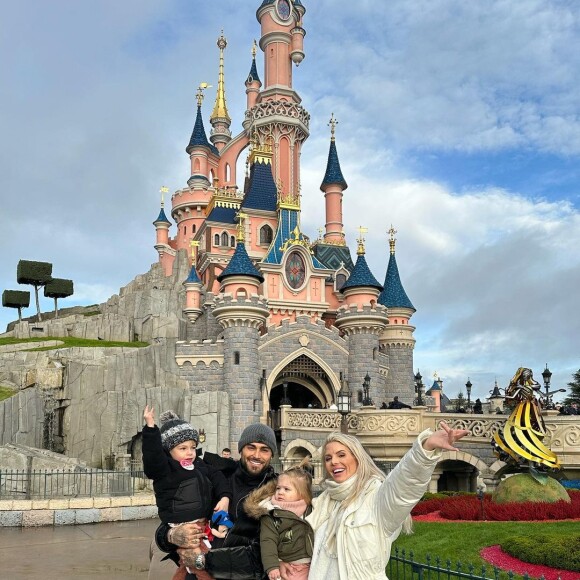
(283, 319)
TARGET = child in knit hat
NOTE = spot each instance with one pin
(186, 490)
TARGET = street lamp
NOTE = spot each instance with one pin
(366, 391)
(343, 403)
(547, 375)
(285, 399)
(419, 389)
(468, 386)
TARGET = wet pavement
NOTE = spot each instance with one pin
(116, 550)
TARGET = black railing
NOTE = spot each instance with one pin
(402, 566)
(63, 483)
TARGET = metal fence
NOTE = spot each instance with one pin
(63, 483)
(404, 567)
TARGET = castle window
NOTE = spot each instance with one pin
(233, 242)
(216, 240)
(193, 229)
(225, 239)
(266, 235)
(340, 281)
(236, 358)
(184, 230)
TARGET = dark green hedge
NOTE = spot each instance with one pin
(15, 299)
(59, 288)
(546, 549)
(35, 273)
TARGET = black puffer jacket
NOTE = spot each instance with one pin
(181, 495)
(237, 556)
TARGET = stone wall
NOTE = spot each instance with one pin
(400, 378)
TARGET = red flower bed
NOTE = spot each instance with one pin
(497, 557)
(468, 508)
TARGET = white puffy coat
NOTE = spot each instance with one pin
(373, 521)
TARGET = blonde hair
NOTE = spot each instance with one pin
(366, 468)
(302, 480)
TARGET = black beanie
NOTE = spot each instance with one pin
(258, 433)
(175, 430)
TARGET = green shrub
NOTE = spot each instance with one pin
(33, 273)
(546, 549)
(15, 299)
(59, 288)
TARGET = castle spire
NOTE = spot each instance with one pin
(220, 118)
(361, 276)
(198, 136)
(393, 294)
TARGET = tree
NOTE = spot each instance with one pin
(58, 288)
(36, 274)
(574, 386)
(16, 299)
(460, 403)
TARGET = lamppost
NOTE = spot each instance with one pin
(343, 403)
(419, 389)
(468, 386)
(547, 375)
(366, 392)
(285, 399)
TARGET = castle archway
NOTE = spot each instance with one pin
(304, 380)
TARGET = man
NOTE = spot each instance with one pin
(396, 404)
(226, 452)
(238, 554)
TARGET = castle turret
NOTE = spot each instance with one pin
(253, 82)
(162, 225)
(199, 149)
(333, 186)
(397, 340)
(362, 320)
(242, 313)
(193, 286)
(220, 119)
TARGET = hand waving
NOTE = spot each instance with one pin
(149, 416)
(444, 438)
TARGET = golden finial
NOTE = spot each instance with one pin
(194, 244)
(332, 124)
(361, 241)
(163, 191)
(241, 217)
(199, 94)
(392, 231)
(279, 187)
(220, 109)
(254, 49)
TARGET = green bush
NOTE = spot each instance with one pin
(33, 273)
(15, 299)
(546, 549)
(59, 288)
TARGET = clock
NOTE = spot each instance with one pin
(295, 270)
(283, 9)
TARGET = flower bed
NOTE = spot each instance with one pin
(468, 508)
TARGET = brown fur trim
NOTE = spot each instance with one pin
(252, 504)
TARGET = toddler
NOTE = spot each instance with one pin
(286, 538)
(186, 490)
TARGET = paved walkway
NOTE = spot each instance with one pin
(116, 550)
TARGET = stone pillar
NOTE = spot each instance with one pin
(434, 479)
(363, 326)
(241, 321)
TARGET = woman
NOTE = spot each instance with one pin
(360, 513)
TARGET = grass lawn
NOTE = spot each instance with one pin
(461, 542)
(70, 341)
(5, 392)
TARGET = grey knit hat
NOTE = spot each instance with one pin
(258, 433)
(175, 430)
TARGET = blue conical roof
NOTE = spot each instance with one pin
(198, 136)
(361, 276)
(393, 294)
(193, 277)
(333, 172)
(253, 75)
(241, 265)
(262, 192)
(162, 217)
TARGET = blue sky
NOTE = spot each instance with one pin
(459, 123)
